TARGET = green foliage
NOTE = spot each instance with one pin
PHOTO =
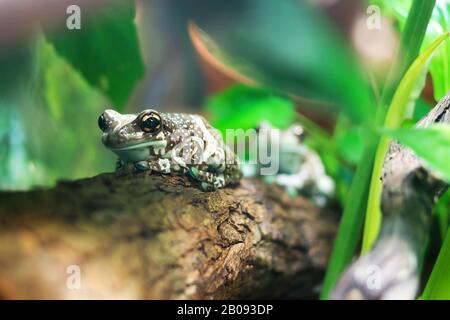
(440, 23)
(432, 144)
(421, 109)
(351, 223)
(349, 140)
(440, 64)
(71, 104)
(442, 213)
(105, 51)
(437, 287)
(405, 96)
(51, 133)
(294, 51)
(245, 107)
(352, 218)
(346, 151)
(13, 157)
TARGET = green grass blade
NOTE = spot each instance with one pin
(438, 285)
(395, 115)
(410, 43)
(352, 220)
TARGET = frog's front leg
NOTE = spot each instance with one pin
(161, 165)
(158, 165)
(207, 181)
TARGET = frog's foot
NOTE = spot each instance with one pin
(160, 165)
(142, 166)
(207, 181)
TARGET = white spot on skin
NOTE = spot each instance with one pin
(219, 182)
(164, 165)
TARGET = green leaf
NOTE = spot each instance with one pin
(62, 103)
(245, 107)
(405, 94)
(105, 51)
(442, 213)
(292, 50)
(440, 64)
(421, 109)
(438, 285)
(439, 23)
(432, 144)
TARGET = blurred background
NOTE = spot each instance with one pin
(236, 62)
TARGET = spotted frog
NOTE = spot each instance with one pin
(170, 142)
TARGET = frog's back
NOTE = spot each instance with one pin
(197, 125)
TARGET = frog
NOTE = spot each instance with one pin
(167, 143)
(300, 170)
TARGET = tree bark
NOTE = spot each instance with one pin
(146, 236)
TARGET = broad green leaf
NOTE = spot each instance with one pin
(105, 51)
(50, 126)
(439, 24)
(432, 144)
(61, 125)
(245, 107)
(405, 94)
(288, 46)
(438, 285)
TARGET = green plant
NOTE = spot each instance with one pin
(298, 58)
(53, 89)
(105, 51)
(437, 287)
(405, 94)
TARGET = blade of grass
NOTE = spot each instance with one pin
(410, 43)
(351, 223)
(438, 285)
(395, 116)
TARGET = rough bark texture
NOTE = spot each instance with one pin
(151, 237)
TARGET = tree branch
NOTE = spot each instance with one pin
(157, 237)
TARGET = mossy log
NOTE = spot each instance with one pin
(148, 236)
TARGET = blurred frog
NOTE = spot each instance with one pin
(300, 169)
(170, 142)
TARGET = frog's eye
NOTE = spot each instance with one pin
(150, 122)
(102, 123)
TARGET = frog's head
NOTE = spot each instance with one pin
(131, 136)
